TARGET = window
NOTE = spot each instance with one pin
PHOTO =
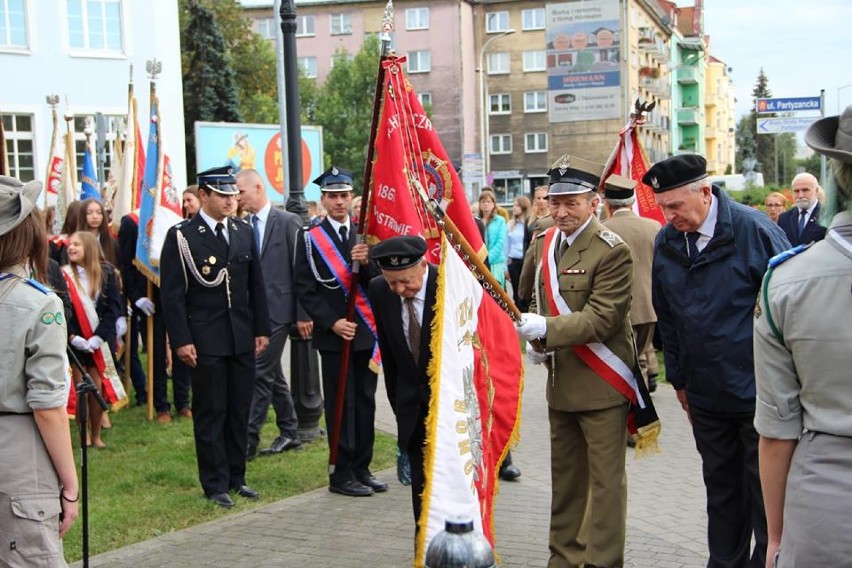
(496, 22)
(532, 19)
(425, 99)
(417, 19)
(535, 142)
(19, 145)
(95, 25)
(265, 27)
(84, 122)
(341, 24)
(419, 61)
(500, 103)
(534, 61)
(308, 65)
(13, 23)
(498, 63)
(305, 26)
(501, 143)
(535, 101)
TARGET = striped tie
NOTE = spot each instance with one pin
(413, 329)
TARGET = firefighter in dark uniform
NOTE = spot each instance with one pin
(215, 306)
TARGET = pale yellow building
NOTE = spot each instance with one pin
(720, 122)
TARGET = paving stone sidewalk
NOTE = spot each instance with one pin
(666, 516)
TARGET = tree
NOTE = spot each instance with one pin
(812, 164)
(344, 108)
(209, 92)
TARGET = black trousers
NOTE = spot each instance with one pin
(271, 386)
(515, 265)
(357, 433)
(180, 377)
(728, 447)
(137, 373)
(221, 398)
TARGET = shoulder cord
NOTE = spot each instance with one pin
(324, 281)
(188, 261)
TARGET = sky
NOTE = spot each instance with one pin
(802, 45)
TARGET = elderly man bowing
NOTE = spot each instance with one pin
(582, 299)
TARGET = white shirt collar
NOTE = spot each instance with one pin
(336, 225)
(573, 236)
(708, 227)
(263, 214)
(211, 222)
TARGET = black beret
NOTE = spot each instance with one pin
(675, 172)
(618, 187)
(570, 175)
(334, 180)
(398, 253)
(220, 179)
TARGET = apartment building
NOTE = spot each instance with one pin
(720, 121)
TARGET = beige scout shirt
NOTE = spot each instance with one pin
(803, 382)
(32, 353)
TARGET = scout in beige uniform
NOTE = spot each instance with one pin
(582, 298)
(39, 481)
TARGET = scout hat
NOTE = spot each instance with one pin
(618, 187)
(675, 172)
(398, 253)
(570, 175)
(17, 201)
(334, 180)
(220, 179)
(832, 136)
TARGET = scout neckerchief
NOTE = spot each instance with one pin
(87, 318)
(642, 421)
(343, 275)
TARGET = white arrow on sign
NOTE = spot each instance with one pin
(779, 125)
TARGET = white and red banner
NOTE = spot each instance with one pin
(167, 209)
(629, 161)
(125, 198)
(476, 379)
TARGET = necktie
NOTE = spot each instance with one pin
(692, 240)
(255, 223)
(220, 234)
(563, 246)
(802, 215)
(413, 329)
(344, 237)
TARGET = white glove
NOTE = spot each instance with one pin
(121, 326)
(80, 344)
(532, 326)
(537, 358)
(94, 343)
(146, 306)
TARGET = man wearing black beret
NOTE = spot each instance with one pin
(708, 264)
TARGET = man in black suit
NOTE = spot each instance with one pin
(801, 223)
(406, 292)
(323, 257)
(275, 234)
(215, 306)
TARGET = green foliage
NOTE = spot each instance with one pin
(812, 164)
(752, 196)
(344, 108)
(209, 91)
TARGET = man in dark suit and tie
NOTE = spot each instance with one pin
(216, 315)
(801, 223)
(403, 298)
(323, 257)
(275, 234)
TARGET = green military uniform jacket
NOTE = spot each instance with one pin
(595, 279)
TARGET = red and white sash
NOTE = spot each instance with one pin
(597, 356)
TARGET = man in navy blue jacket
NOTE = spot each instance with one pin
(709, 262)
(801, 223)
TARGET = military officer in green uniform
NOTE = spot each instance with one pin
(579, 311)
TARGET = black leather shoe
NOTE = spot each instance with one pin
(251, 453)
(247, 492)
(510, 473)
(375, 484)
(350, 488)
(221, 499)
(281, 444)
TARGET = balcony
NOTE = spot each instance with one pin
(687, 146)
(661, 87)
(711, 132)
(687, 116)
(687, 75)
(659, 124)
(653, 44)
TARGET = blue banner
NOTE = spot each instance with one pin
(148, 203)
(89, 178)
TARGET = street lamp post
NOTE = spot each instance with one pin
(483, 93)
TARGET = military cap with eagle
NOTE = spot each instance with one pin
(398, 253)
(334, 180)
(619, 187)
(220, 179)
(675, 172)
(570, 175)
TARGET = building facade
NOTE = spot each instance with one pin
(720, 120)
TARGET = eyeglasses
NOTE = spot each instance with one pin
(775, 205)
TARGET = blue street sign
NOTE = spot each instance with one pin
(794, 104)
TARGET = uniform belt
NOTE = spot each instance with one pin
(14, 413)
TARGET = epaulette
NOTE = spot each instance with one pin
(180, 225)
(787, 255)
(610, 238)
(540, 234)
(39, 286)
(241, 220)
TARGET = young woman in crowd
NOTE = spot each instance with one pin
(517, 240)
(495, 235)
(97, 305)
(57, 244)
(191, 202)
(93, 219)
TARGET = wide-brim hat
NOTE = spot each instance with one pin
(17, 201)
(832, 136)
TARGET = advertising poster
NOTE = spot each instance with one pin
(583, 60)
(258, 146)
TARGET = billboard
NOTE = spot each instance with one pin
(583, 60)
(258, 146)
